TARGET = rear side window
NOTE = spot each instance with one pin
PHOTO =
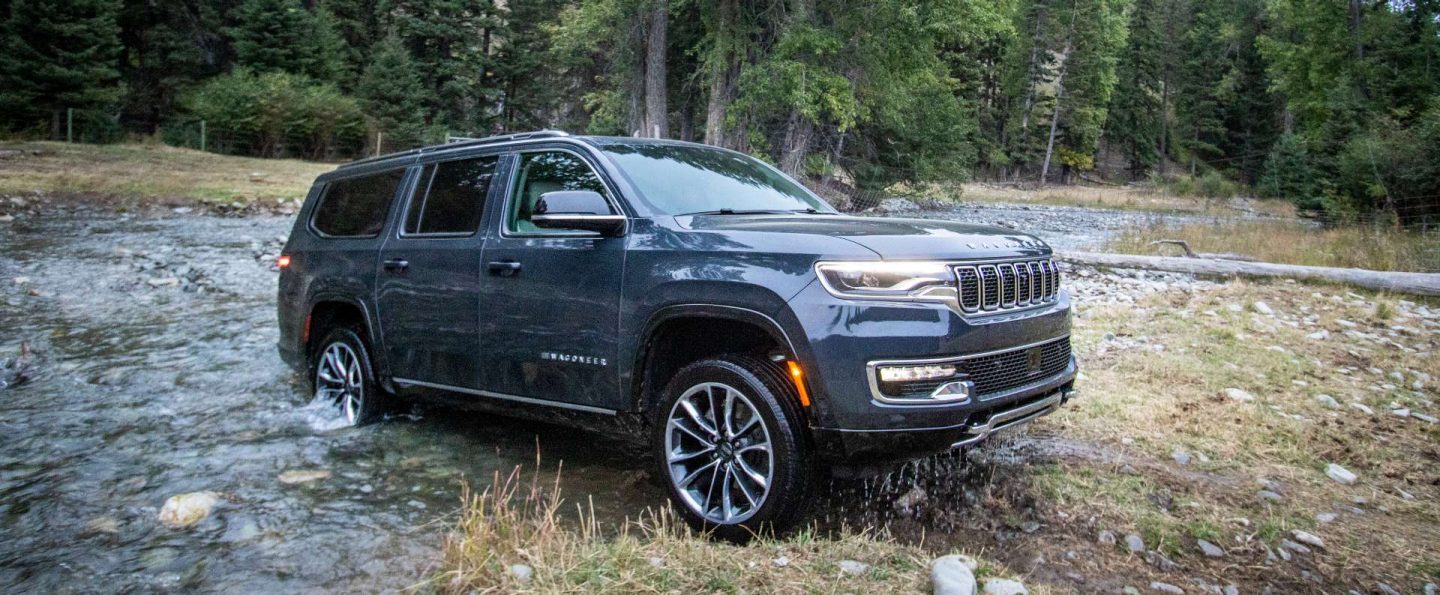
(356, 207)
(451, 197)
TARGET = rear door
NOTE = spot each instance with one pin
(551, 298)
(428, 282)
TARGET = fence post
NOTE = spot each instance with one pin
(202, 135)
(69, 124)
(379, 139)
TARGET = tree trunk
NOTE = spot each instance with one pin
(656, 111)
(799, 131)
(1035, 45)
(1412, 283)
(723, 70)
(1055, 115)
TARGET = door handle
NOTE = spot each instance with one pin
(504, 268)
(397, 264)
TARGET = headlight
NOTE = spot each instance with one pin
(915, 280)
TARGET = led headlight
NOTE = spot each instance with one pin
(888, 280)
(913, 373)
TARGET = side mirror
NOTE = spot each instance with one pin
(582, 210)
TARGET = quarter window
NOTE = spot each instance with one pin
(542, 172)
(451, 197)
(355, 207)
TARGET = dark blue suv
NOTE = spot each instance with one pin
(763, 336)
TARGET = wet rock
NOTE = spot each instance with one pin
(1134, 543)
(1308, 538)
(1004, 586)
(103, 525)
(185, 510)
(1327, 401)
(163, 281)
(522, 573)
(1235, 394)
(296, 476)
(1340, 474)
(910, 501)
(1181, 457)
(1209, 549)
(950, 575)
(1166, 588)
(853, 567)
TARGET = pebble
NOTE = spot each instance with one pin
(950, 575)
(1327, 401)
(1181, 457)
(1263, 308)
(1308, 538)
(853, 567)
(185, 510)
(1134, 543)
(1106, 538)
(1211, 550)
(1340, 474)
(1004, 586)
(303, 476)
(1423, 417)
(1326, 517)
(1166, 588)
(1386, 589)
(781, 562)
(1286, 544)
(1269, 495)
(1363, 408)
(1401, 412)
(1235, 394)
(522, 573)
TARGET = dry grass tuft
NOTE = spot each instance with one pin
(515, 522)
(1294, 242)
(152, 173)
(1130, 198)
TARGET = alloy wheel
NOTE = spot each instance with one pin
(340, 379)
(719, 453)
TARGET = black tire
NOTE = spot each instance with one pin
(370, 402)
(765, 385)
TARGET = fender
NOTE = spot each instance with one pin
(764, 321)
(377, 352)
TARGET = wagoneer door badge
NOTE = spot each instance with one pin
(571, 358)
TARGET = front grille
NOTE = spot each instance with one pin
(989, 288)
(1001, 372)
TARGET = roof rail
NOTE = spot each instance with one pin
(455, 141)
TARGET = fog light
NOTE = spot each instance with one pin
(914, 373)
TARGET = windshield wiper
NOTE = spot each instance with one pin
(740, 212)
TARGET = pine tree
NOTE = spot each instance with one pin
(58, 55)
(391, 93)
(1135, 121)
(282, 36)
(160, 59)
(451, 42)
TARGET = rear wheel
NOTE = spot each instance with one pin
(343, 376)
(729, 445)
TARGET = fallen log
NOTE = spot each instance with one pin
(1411, 283)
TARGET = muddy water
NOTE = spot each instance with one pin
(156, 375)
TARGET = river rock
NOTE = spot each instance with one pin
(1235, 394)
(295, 476)
(522, 573)
(1340, 474)
(853, 567)
(950, 575)
(1211, 550)
(184, 510)
(1308, 538)
(1327, 401)
(1004, 586)
(1166, 588)
(1264, 308)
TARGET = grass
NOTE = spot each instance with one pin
(1130, 198)
(153, 174)
(515, 522)
(1295, 242)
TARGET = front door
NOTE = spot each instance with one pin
(428, 287)
(550, 302)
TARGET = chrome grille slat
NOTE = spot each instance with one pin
(999, 287)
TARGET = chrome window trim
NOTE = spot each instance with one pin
(872, 375)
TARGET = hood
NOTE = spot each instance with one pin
(891, 238)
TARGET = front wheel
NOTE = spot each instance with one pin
(729, 445)
(344, 376)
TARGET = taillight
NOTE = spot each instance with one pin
(283, 261)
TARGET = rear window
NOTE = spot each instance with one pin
(355, 207)
(451, 197)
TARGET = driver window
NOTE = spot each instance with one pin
(542, 172)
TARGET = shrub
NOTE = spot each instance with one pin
(276, 115)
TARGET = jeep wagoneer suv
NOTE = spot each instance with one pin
(762, 335)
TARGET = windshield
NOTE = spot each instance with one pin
(689, 180)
